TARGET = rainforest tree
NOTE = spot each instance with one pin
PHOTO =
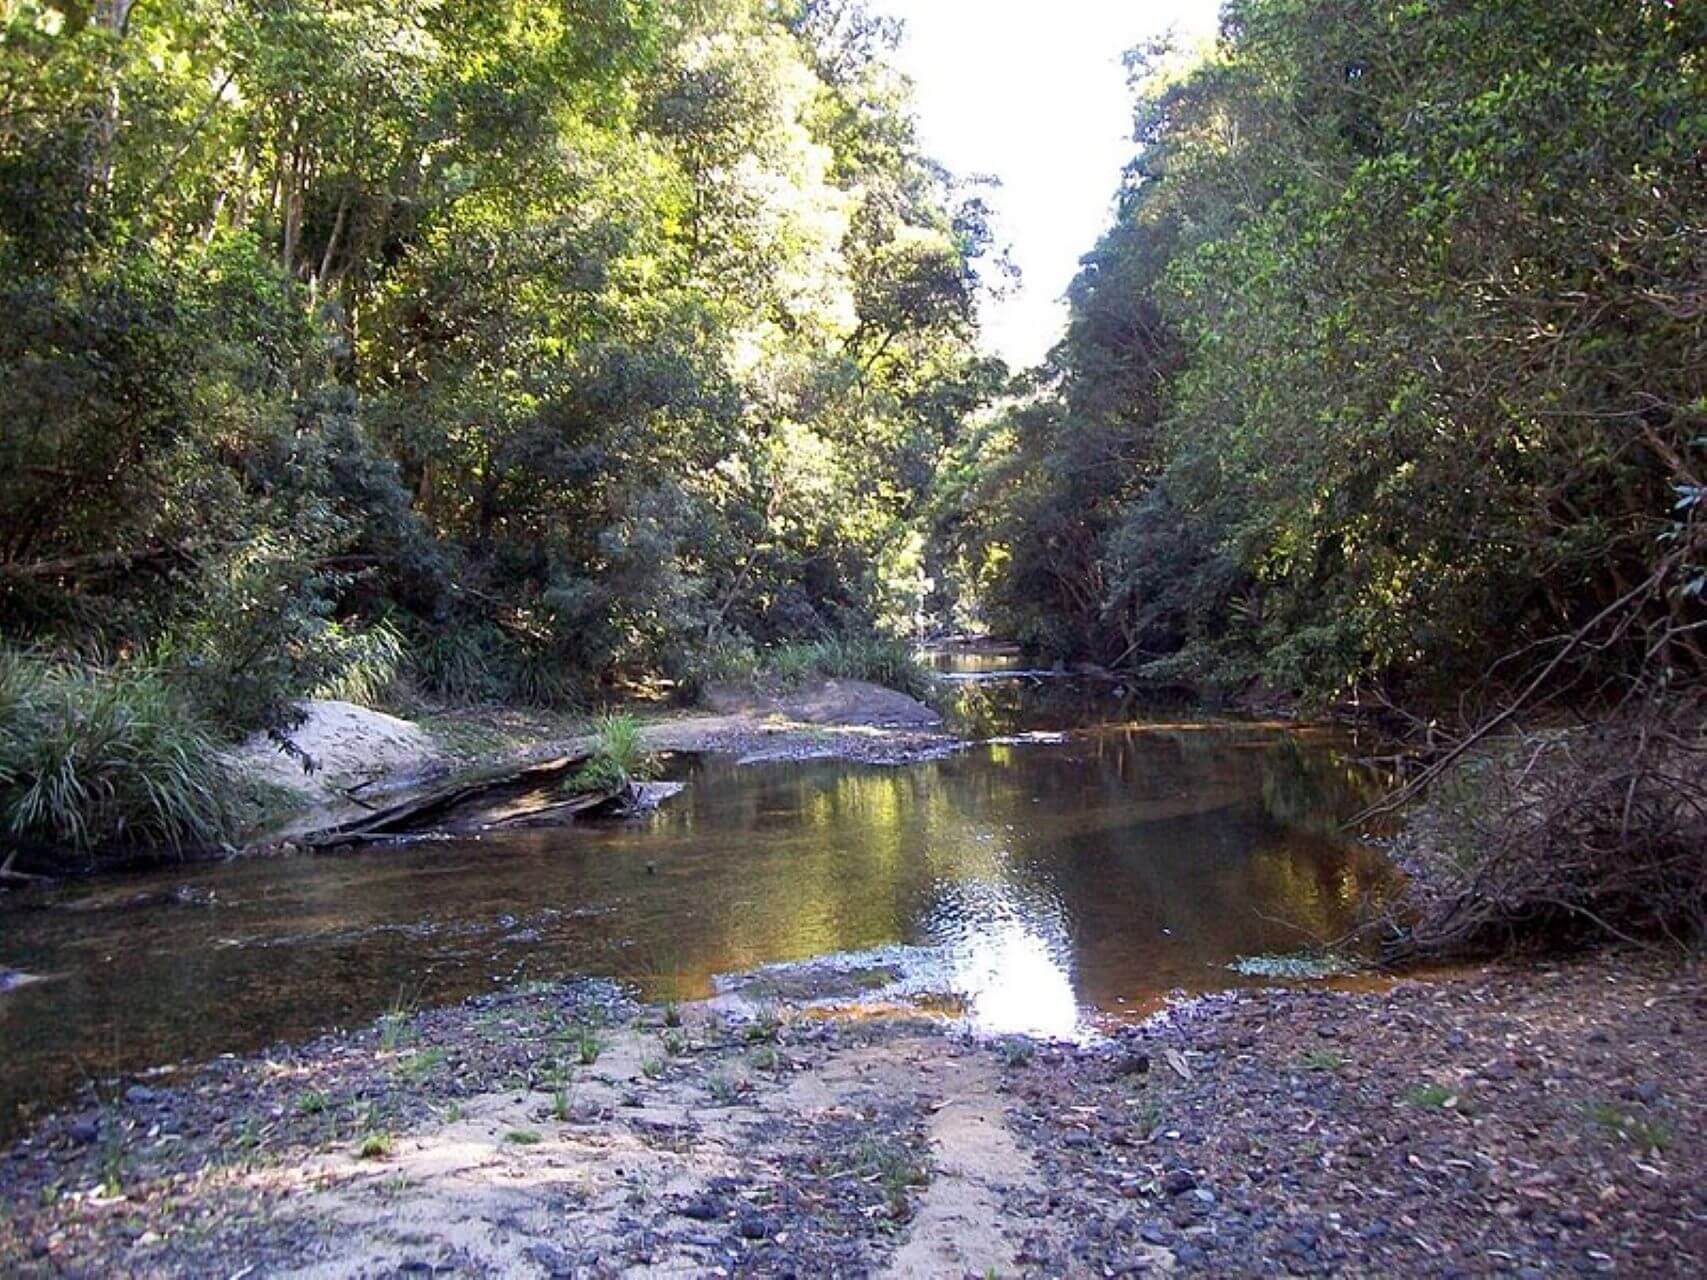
(1394, 361)
(513, 343)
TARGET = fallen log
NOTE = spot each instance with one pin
(412, 815)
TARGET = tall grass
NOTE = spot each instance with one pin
(878, 659)
(94, 759)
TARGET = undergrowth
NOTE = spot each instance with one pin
(93, 760)
(877, 659)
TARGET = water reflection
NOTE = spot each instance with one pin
(1052, 879)
(1009, 958)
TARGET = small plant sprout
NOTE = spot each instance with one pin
(394, 1029)
(374, 1146)
(1436, 1097)
(312, 1103)
(419, 1067)
(1645, 1134)
(895, 1167)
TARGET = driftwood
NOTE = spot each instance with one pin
(418, 812)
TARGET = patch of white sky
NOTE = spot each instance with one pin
(1034, 94)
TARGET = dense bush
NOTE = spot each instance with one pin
(497, 349)
(96, 760)
(1394, 361)
(1551, 835)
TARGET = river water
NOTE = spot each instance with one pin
(1041, 881)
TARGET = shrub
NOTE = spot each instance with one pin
(460, 664)
(94, 760)
(1559, 835)
(264, 636)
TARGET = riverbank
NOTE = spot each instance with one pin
(362, 757)
(1529, 1121)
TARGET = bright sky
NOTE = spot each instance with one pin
(1033, 92)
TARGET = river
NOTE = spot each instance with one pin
(1075, 868)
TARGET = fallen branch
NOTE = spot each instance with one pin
(412, 814)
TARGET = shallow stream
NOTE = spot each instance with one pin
(1037, 883)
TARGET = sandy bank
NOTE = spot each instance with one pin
(362, 755)
(1529, 1122)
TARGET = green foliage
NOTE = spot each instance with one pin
(618, 757)
(1385, 368)
(1431, 1097)
(879, 659)
(896, 1168)
(1644, 1133)
(588, 1046)
(470, 351)
(94, 760)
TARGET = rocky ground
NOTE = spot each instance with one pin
(1526, 1120)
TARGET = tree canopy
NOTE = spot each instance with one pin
(512, 343)
(1393, 362)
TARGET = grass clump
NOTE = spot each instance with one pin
(1433, 1097)
(618, 759)
(587, 1044)
(419, 1067)
(394, 1029)
(877, 659)
(374, 1146)
(895, 1167)
(523, 1137)
(1321, 1060)
(94, 760)
(1644, 1133)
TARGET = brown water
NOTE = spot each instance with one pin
(1039, 882)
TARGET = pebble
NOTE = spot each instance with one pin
(701, 1209)
(1178, 1181)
